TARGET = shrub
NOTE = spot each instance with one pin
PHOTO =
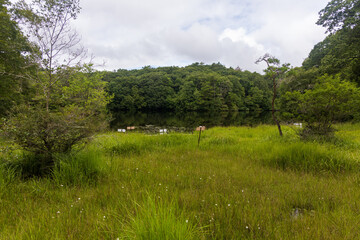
(330, 100)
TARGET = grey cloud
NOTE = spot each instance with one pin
(131, 34)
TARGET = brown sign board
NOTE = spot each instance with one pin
(202, 128)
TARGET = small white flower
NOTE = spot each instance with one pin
(215, 204)
(247, 227)
(79, 198)
(61, 185)
(187, 221)
(229, 205)
(104, 217)
(159, 184)
(58, 212)
(71, 205)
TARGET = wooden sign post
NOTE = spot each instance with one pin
(200, 129)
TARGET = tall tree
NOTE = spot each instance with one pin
(274, 72)
(47, 22)
(70, 104)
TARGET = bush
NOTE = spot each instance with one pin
(331, 100)
(46, 134)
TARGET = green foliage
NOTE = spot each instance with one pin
(80, 112)
(196, 87)
(340, 14)
(330, 100)
(338, 53)
(15, 53)
(69, 105)
(299, 79)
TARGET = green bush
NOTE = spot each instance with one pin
(331, 100)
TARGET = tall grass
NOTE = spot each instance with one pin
(157, 219)
(240, 183)
(7, 176)
(308, 157)
(78, 169)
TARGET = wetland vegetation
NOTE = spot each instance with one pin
(240, 183)
(65, 175)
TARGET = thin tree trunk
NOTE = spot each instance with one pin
(273, 109)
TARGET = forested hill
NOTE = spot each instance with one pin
(196, 87)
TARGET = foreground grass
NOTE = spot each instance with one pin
(240, 183)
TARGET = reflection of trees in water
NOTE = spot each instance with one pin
(190, 119)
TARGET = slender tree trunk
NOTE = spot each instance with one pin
(273, 108)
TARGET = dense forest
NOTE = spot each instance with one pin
(197, 87)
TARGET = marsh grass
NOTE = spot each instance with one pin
(308, 157)
(157, 219)
(7, 177)
(79, 169)
(240, 183)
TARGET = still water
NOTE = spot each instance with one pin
(189, 120)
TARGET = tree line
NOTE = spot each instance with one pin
(197, 87)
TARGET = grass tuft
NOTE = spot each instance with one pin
(157, 219)
(77, 169)
(308, 157)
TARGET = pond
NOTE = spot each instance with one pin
(189, 120)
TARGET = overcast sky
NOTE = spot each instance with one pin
(131, 34)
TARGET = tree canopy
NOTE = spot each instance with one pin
(14, 61)
(197, 87)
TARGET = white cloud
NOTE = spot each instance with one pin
(132, 34)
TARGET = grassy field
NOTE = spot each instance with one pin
(240, 183)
